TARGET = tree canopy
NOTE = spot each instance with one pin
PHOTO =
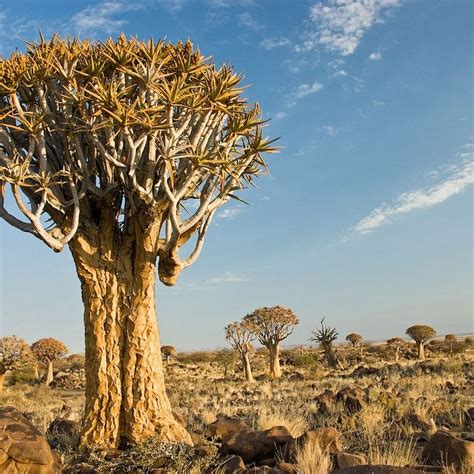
(15, 354)
(96, 134)
(48, 349)
(420, 333)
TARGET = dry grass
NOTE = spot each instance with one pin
(311, 459)
(293, 419)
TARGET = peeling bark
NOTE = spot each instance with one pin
(126, 400)
(274, 354)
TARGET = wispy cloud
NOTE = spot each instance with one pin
(227, 277)
(247, 20)
(329, 130)
(339, 25)
(375, 56)
(304, 90)
(102, 17)
(280, 115)
(272, 43)
(230, 214)
(460, 176)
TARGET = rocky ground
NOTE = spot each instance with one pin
(373, 415)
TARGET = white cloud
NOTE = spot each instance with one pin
(247, 20)
(339, 25)
(102, 17)
(280, 115)
(375, 56)
(230, 214)
(377, 103)
(272, 43)
(227, 277)
(459, 178)
(304, 90)
(329, 130)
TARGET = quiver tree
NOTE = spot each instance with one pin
(271, 326)
(46, 351)
(225, 358)
(15, 354)
(240, 337)
(354, 338)
(450, 340)
(420, 334)
(395, 342)
(167, 352)
(123, 151)
(325, 336)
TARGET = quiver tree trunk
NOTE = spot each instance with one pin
(126, 401)
(420, 347)
(247, 367)
(49, 373)
(274, 355)
(2, 381)
(397, 353)
(331, 356)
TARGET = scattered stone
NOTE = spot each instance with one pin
(341, 460)
(444, 448)
(377, 469)
(296, 377)
(287, 467)
(352, 398)
(226, 426)
(329, 439)
(63, 433)
(22, 447)
(73, 378)
(231, 465)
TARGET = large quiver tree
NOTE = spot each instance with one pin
(123, 151)
(240, 337)
(271, 326)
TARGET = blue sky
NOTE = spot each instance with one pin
(366, 217)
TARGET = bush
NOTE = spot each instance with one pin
(25, 377)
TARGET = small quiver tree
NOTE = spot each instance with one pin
(450, 342)
(325, 336)
(271, 326)
(354, 338)
(46, 351)
(226, 359)
(166, 353)
(420, 334)
(395, 342)
(240, 337)
(15, 354)
(123, 151)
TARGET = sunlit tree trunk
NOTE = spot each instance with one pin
(274, 354)
(331, 357)
(421, 350)
(2, 381)
(247, 367)
(126, 401)
(49, 373)
(397, 353)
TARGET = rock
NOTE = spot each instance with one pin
(377, 469)
(325, 400)
(262, 470)
(352, 398)
(469, 417)
(226, 426)
(63, 433)
(257, 445)
(231, 465)
(287, 467)
(444, 448)
(341, 460)
(416, 421)
(296, 377)
(73, 378)
(23, 449)
(329, 439)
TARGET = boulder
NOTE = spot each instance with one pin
(63, 433)
(341, 460)
(226, 426)
(325, 400)
(377, 469)
(231, 465)
(329, 439)
(444, 448)
(296, 377)
(23, 449)
(287, 467)
(352, 398)
(254, 446)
